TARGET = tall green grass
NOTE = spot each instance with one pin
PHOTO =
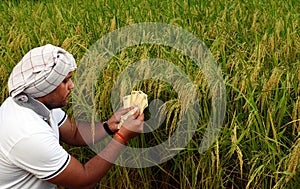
(255, 43)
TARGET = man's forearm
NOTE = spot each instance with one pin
(81, 133)
(98, 166)
(88, 175)
(91, 134)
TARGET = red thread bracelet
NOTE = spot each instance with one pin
(121, 136)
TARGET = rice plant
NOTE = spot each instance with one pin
(255, 44)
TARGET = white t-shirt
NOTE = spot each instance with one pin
(30, 152)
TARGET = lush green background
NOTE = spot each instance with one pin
(256, 45)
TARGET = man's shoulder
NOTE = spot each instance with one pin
(9, 106)
(18, 122)
(12, 111)
(7, 102)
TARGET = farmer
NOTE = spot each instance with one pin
(32, 123)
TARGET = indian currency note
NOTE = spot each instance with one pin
(126, 101)
(125, 116)
(134, 95)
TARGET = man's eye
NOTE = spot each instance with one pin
(67, 80)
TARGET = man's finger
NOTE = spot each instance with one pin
(123, 111)
(141, 117)
(136, 114)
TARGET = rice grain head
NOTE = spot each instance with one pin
(271, 84)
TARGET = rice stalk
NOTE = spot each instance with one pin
(271, 84)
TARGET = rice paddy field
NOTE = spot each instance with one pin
(254, 43)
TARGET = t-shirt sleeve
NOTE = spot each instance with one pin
(59, 116)
(40, 154)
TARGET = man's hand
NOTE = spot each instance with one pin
(116, 117)
(133, 126)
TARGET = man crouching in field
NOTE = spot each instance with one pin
(32, 123)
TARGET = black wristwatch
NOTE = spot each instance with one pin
(107, 129)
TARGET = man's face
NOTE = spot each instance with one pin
(60, 96)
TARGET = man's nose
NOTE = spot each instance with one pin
(71, 84)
